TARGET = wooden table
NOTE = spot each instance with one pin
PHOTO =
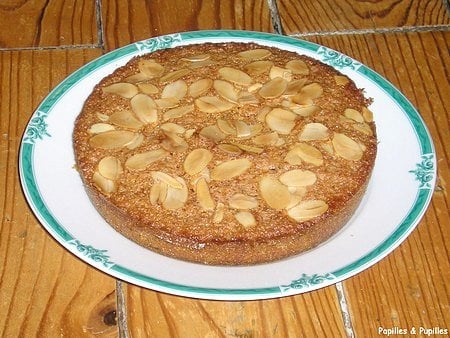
(46, 291)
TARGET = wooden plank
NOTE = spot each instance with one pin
(152, 314)
(334, 15)
(43, 289)
(410, 287)
(47, 23)
(127, 22)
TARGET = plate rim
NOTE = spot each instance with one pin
(98, 259)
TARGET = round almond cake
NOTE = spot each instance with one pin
(226, 153)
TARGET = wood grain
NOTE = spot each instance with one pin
(47, 23)
(336, 15)
(127, 22)
(410, 287)
(43, 289)
(153, 314)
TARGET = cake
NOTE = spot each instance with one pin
(226, 153)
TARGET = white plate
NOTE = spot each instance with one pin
(397, 197)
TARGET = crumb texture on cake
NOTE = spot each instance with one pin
(227, 153)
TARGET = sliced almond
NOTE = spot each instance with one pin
(230, 169)
(297, 191)
(298, 67)
(307, 210)
(274, 193)
(235, 76)
(145, 108)
(262, 113)
(328, 147)
(135, 142)
(226, 90)
(201, 64)
(295, 199)
(313, 131)
(102, 117)
(363, 128)
(242, 128)
(245, 218)
(196, 58)
(110, 167)
(126, 90)
(136, 78)
(204, 195)
(125, 119)
(154, 193)
(298, 178)
(148, 88)
(248, 148)
(255, 54)
(174, 143)
(281, 120)
(243, 202)
(176, 197)
(172, 128)
(142, 160)
(213, 133)
(269, 139)
(160, 176)
(197, 160)
(354, 115)
(255, 129)
(150, 68)
(345, 147)
(226, 127)
(167, 102)
(189, 133)
(163, 188)
(175, 75)
(303, 152)
(254, 87)
(273, 88)
(230, 148)
(177, 89)
(284, 73)
(245, 97)
(106, 185)
(199, 87)
(175, 113)
(367, 114)
(212, 104)
(341, 80)
(308, 94)
(98, 128)
(219, 213)
(258, 67)
(294, 87)
(304, 111)
(113, 139)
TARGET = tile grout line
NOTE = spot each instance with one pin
(345, 310)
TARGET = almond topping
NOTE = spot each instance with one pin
(230, 169)
(281, 120)
(143, 160)
(212, 104)
(269, 139)
(245, 218)
(135, 142)
(136, 78)
(167, 102)
(213, 133)
(313, 131)
(304, 152)
(226, 127)
(307, 210)
(308, 93)
(346, 147)
(219, 213)
(196, 58)
(126, 90)
(177, 112)
(298, 178)
(174, 143)
(248, 148)
(353, 115)
(199, 87)
(102, 117)
(107, 186)
(276, 194)
(197, 160)
(177, 89)
(113, 139)
(243, 202)
(304, 111)
(226, 90)
(255, 54)
(148, 88)
(176, 197)
(150, 68)
(258, 67)
(175, 75)
(230, 148)
(363, 128)
(172, 128)
(125, 119)
(273, 88)
(160, 176)
(367, 114)
(341, 80)
(154, 193)
(145, 108)
(242, 129)
(294, 87)
(298, 67)
(110, 167)
(98, 128)
(235, 75)
(204, 195)
(280, 72)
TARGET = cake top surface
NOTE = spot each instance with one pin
(229, 141)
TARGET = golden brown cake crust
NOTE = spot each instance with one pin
(191, 232)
